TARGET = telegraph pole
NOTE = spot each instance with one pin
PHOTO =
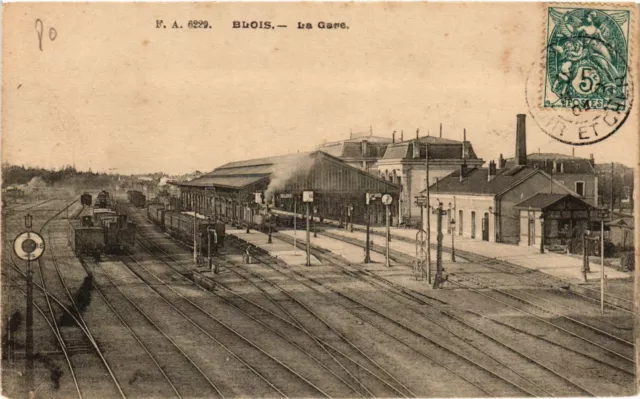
(603, 214)
(439, 279)
(386, 200)
(453, 231)
(428, 229)
(295, 219)
(195, 244)
(367, 249)
(307, 197)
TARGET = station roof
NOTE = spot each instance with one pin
(241, 174)
(475, 181)
(542, 201)
(622, 222)
(544, 161)
(439, 148)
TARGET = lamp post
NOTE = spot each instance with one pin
(602, 213)
(386, 200)
(367, 249)
(541, 232)
(315, 212)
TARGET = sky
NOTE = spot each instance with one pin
(114, 93)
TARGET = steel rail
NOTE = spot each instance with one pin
(59, 339)
(399, 324)
(80, 319)
(296, 323)
(322, 320)
(106, 274)
(251, 343)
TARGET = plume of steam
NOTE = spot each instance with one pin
(163, 181)
(286, 170)
(36, 183)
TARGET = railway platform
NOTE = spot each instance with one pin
(278, 248)
(563, 267)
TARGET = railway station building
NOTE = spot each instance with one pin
(504, 202)
(238, 189)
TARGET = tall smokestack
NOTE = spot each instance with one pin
(440, 129)
(417, 134)
(464, 144)
(393, 137)
(521, 140)
(401, 136)
(492, 171)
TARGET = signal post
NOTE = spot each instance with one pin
(307, 198)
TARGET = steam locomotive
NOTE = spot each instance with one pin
(99, 230)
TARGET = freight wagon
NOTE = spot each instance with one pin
(104, 232)
(137, 198)
(181, 226)
(85, 199)
(155, 213)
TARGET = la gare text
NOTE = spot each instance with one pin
(300, 25)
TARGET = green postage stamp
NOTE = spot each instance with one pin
(587, 59)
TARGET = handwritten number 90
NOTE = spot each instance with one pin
(53, 33)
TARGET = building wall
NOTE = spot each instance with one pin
(470, 207)
(590, 183)
(622, 236)
(411, 176)
(527, 219)
(509, 219)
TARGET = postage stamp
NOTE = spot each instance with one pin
(587, 54)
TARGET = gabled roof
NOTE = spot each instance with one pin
(439, 148)
(224, 181)
(544, 161)
(476, 181)
(245, 173)
(622, 222)
(542, 201)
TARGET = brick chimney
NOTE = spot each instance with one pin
(463, 171)
(393, 137)
(416, 149)
(521, 140)
(501, 162)
(492, 171)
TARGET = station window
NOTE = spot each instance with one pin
(580, 188)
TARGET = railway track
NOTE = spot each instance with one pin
(616, 358)
(407, 297)
(531, 388)
(363, 364)
(173, 360)
(530, 276)
(351, 366)
(82, 339)
(407, 259)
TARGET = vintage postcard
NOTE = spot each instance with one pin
(306, 200)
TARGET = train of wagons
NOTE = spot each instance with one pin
(99, 229)
(137, 198)
(181, 226)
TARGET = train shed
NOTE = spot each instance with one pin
(234, 189)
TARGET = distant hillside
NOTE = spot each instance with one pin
(64, 177)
